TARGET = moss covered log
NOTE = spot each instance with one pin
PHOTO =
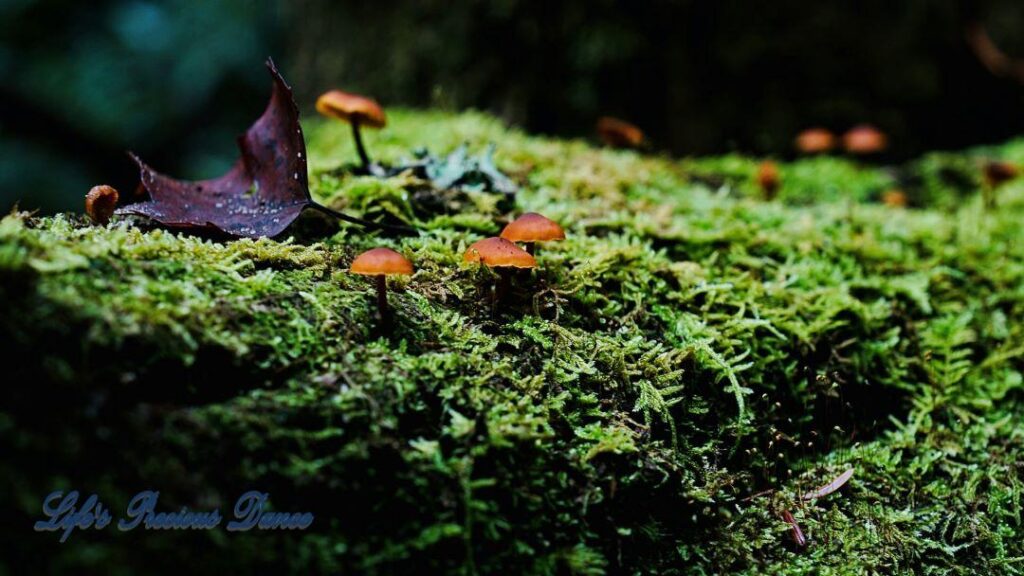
(673, 376)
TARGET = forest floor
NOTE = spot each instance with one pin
(655, 398)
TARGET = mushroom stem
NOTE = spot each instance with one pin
(382, 302)
(504, 277)
(359, 144)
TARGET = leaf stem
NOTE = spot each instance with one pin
(367, 223)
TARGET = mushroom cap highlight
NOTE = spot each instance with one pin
(351, 108)
(815, 141)
(381, 261)
(100, 203)
(499, 253)
(619, 133)
(865, 139)
(532, 227)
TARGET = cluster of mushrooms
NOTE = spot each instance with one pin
(867, 141)
(862, 140)
(501, 254)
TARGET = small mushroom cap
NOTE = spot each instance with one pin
(619, 133)
(815, 141)
(381, 261)
(100, 203)
(532, 227)
(351, 108)
(768, 175)
(499, 253)
(865, 139)
(997, 172)
(895, 198)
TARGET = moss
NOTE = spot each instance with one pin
(686, 347)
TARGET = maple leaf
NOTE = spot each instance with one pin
(261, 195)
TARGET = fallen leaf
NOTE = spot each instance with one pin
(831, 487)
(261, 195)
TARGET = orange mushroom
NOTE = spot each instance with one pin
(996, 173)
(531, 228)
(768, 179)
(895, 198)
(815, 141)
(618, 133)
(356, 110)
(499, 255)
(100, 203)
(865, 139)
(381, 263)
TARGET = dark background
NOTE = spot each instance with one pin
(177, 80)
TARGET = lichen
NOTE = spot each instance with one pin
(688, 346)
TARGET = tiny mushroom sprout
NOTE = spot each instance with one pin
(356, 110)
(996, 173)
(100, 203)
(501, 256)
(381, 263)
(768, 179)
(618, 133)
(894, 198)
(531, 228)
(865, 140)
(815, 141)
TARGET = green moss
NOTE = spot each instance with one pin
(686, 347)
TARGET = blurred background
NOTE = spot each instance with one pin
(178, 80)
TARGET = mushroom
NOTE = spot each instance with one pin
(815, 141)
(100, 203)
(382, 262)
(356, 110)
(865, 139)
(532, 227)
(996, 173)
(895, 198)
(768, 179)
(618, 133)
(499, 255)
